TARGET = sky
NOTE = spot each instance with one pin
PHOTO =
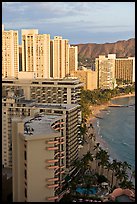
(79, 22)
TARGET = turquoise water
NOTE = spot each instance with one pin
(116, 131)
(85, 191)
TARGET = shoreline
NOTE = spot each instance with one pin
(96, 109)
(97, 112)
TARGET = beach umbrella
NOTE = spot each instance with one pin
(104, 184)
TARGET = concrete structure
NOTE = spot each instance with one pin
(19, 107)
(38, 158)
(111, 68)
(73, 58)
(10, 53)
(125, 69)
(88, 77)
(59, 57)
(105, 67)
(61, 91)
(36, 53)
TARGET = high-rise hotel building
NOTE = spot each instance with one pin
(73, 58)
(125, 69)
(111, 68)
(38, 147)
(35, 54)
(105, 67)
(59, 57)
(60, 92)
(10, 53)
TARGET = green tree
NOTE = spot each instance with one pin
(103, 156)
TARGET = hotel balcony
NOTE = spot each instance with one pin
(52, 148)
(53, 198)
(61, 167)
(56, 173)
(62, 152)
(62, 122)
(62, 157)
(62, 172)
(53, 185)
(53, 179)
(52, 142)
(61, 142)
(61, 137)
(53, 167)
(52, 160)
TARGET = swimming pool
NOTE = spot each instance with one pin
(82, 190)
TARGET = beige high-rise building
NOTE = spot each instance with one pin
(13, 106)
(38, 149)
(60, 56)
(10, 53)
(105, 67)
(125, 69)
(35, 53)
(73, 58)
(87, 77)
(111, 68)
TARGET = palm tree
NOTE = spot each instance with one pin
(97, 146)
(132, 174)
(103, 156)
(108, 166)
(126, 166)
(85, 160)
(126, 184)
(114, 169)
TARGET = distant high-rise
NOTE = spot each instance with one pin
(60, 57)
(36, 53)
(10, 53)
(73, 58)
(111, 68)
(125, 69)
(105, 67)
(88, 77)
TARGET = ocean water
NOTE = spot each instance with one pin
(116, 131)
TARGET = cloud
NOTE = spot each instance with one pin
(70, 17)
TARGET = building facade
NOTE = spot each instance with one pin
(87, 77)
(10, 53)
(73, 58)
(38, 149)
(105, 67)
(125, 69)
(20, 107)
(62, 91)
(60, 57)
(36, 53)
(111, 68)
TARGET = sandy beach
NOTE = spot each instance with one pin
(96, 109)
(91, 142)
(95, 113)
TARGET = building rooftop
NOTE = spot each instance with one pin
(66, 79)
(39, 125)
(56, 106)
